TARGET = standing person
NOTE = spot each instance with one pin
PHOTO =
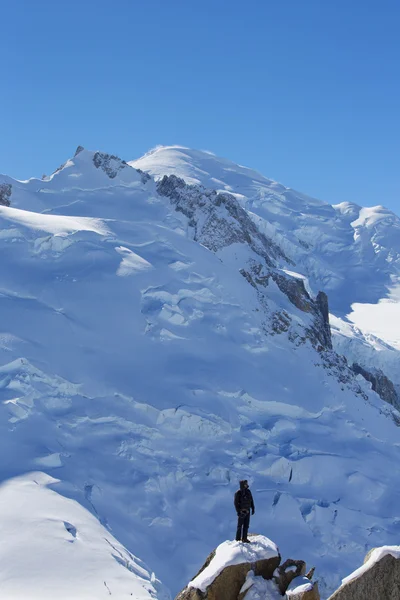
(243, 504)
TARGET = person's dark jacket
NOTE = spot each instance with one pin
(244, 500)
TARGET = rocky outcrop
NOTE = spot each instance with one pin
(229, 580)
(288, 571)
(322, 303)
(319, 333)
(229, 583)
(236, 571)
(78, 150)
(5, 194)
(381, 384)
(378, 579)
(217, 219)
(109, 163)
(301, 588)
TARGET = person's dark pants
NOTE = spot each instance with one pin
(242, 526)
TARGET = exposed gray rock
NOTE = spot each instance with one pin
(381, 384)
(109, 163)
(322, 303)
(280, 321)
(5, 194)
(223, 221)
(337, 365)
(320, 332)
(78, 150)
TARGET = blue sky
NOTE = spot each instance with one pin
(307, 92)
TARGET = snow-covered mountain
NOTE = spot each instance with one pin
(350, 252)
(162, 335)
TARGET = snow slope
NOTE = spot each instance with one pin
(147, 373)
(53, 548)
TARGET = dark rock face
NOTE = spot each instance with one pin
(109, 163)
(380, 384)
(322, 303)
(5, 194)
(380, 582)
(224, 221)
(320, 332)
(78, 150)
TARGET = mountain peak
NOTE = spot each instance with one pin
(78, 150)
(197, 167)
(93, 169)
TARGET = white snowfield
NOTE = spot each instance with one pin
(140, 369)
(234, 553)
(51, 547)
(55, 225)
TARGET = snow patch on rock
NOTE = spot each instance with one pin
(234, 553)
(375, 556)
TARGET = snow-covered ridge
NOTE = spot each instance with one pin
(350, 252)
(347, 250)
(53, 548)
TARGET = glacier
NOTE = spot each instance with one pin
(162, 337)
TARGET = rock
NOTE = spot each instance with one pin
(301, 588)
(109, 163)
(322, 303)
(381, 384)
(378, 579)
(5, 194)
(288, 571)
(310, 573)
(227, 583)
(217, 219)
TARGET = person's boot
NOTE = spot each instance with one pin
(246, 541)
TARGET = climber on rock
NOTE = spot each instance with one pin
(243, 503)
